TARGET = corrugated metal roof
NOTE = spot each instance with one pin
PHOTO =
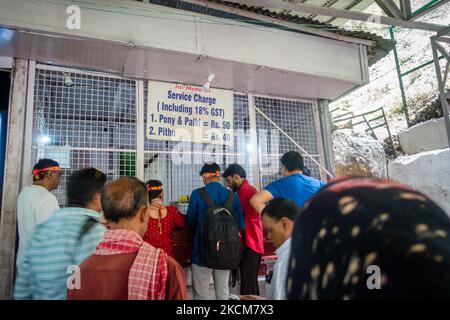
(380, 50)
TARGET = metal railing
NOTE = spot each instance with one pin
(372, 119)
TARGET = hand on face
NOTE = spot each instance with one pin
(156, 203)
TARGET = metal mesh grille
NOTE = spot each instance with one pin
(296, 118)
(84, 120)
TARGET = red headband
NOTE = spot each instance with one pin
(209, 175)
(37, 171)
(155, 188)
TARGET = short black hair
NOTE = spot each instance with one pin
(122, 198)
(153, 194)
(82, 186)
(43, 164)
(234, 169)
(210, 167)
(281, 207)
(292, 160)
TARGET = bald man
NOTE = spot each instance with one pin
(124, 267)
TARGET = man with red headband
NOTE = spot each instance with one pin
(213, 198)
(36, 203)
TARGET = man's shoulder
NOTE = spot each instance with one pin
(216, 187)
(195, 194)
(45, 197)
(314, 182)
(24, 191)
(34, 192)
(115, 262)
(278, 182)
(247, 187)
(65, 225)
(173, 265)
(300, 179)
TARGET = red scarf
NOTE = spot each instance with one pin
(148, 274)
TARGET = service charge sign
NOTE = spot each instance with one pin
(180, 112)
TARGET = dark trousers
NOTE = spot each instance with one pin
(249, 271)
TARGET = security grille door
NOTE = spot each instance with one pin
(84, 120)
(87, 119)
(296, 119)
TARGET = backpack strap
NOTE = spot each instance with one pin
(229, 203)
(206, 198)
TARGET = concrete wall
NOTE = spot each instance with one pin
(427, 172)
(426, 136)
(152, 26)
(5, 62)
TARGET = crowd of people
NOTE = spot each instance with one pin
(115, 240)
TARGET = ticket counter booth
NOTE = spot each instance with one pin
(87, 98)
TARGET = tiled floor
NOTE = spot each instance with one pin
(233, 290)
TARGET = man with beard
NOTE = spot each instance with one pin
(252, 237)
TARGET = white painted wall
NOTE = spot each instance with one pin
(5, 62)
(427, 172)
(426, 136)
(153, 26)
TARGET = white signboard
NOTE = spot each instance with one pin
(180, 112)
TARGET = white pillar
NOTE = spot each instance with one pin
(11, 182)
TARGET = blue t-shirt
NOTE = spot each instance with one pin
(297, 187)
(195, 215)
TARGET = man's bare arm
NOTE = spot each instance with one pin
(259, 200)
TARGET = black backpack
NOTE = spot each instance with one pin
(220, 248)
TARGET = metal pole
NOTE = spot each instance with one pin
(140, 128)
(326, 124)
(11, 180)
(400, 79)
(419, 67)
(370, 128)
(256, 168)
(387, 127)
(441, 85)
(427, 8)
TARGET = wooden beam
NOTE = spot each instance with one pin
(279, 22)
(338, 13)
(13, 160)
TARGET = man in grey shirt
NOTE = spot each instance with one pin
(278, 217)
